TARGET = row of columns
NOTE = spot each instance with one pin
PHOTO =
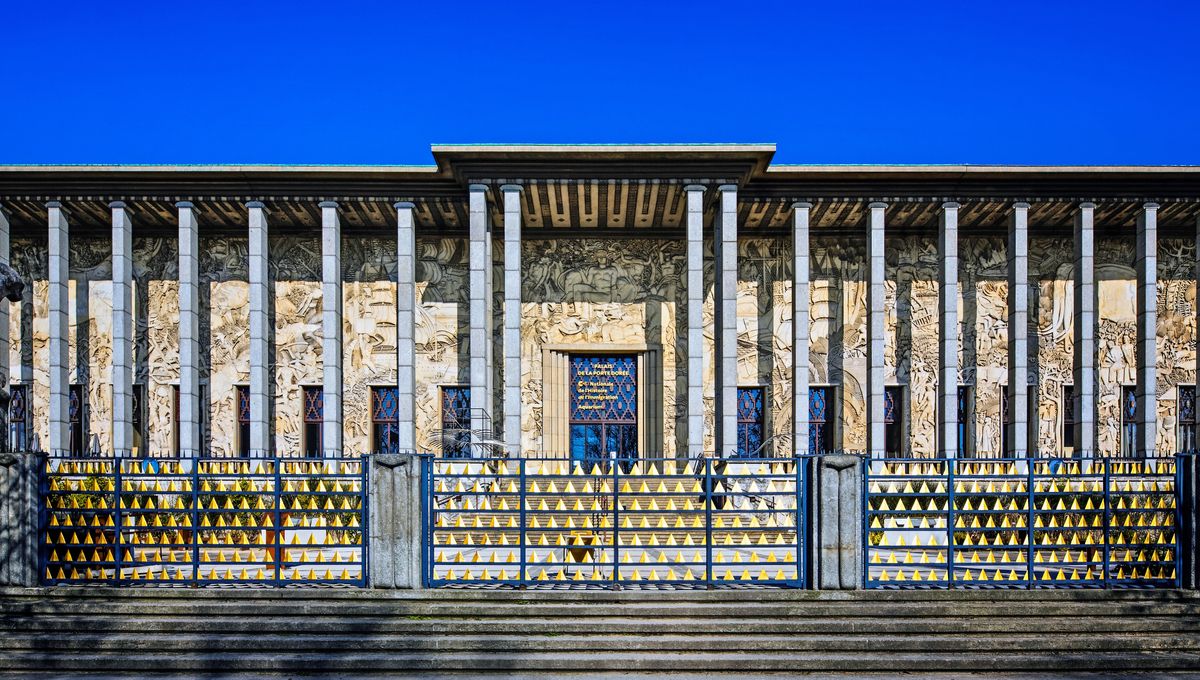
(481, 336)
(1020, 432)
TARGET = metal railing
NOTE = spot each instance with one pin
(700, 522)
(1026, 523)
(181, 521)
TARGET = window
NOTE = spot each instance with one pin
(243, 421)
(385, 420)
(1186, 408)
(1128, 421)
(175, 420)
(18, 417)
(77, 421)
(603, 410)
(893, 421)
(314, 417)
(966, 442)
(750, 419)
(820, 419)
(139, 420)
(456, 421)
(1068, 419)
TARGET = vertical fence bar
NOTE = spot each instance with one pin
(708, 533)
(1030, 510)
(801, 522)
(1107, 520)
(524, 576)
(1180, 543)
(119, 538)
(616, 527)
(424, 482)
(866, 520)
(194, 534)
(364, 513)
(278, 500)
(950, 522)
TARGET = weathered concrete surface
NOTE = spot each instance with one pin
(839, 523)
(394, 552)
(19, 518)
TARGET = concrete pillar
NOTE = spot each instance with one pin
(725, 333)
(260, 350)
(122, 330)
(512, 318)
(838, 502)
(1084, 371)
(331, 330)
(695, 320)
(1147, 330)
(947, 407)
(395, 534)
(800, 327)
(876, 429)
(60, 272)
(19, 503)
(189, 332)
(1018, 331)
(406, 305)
(481, 305)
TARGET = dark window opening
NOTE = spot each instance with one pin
(139, 421)
(603, 410)
(1187, 418)
(1031, 421)
(1068, 421)
(314, 418)
(456, 421)
(18, 417)
(243, 420)
(1129, 426)
(893, 421)
(751, 416)
(820, 420)
(966, 442)
(385, 421)
(77, 421)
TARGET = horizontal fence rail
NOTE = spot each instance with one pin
(664, 521)
(1032, 523)
(203, 521)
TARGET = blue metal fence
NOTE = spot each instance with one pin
(1028, 523)
(699, 522)
(203, 521)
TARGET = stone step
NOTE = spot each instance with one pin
(870, 642)
(331, 624)
(553, 660)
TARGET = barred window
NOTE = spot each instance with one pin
(1187, 418)
(385, 422)
(750, 421)
(456, 420)
(314, 418)
(243, 420)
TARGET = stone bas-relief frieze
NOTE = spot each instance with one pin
(593, 293)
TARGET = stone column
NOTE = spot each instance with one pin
(876, 429)
(1018, 331)
(481, 305)
(1147, 330)
(406, 304)
(189, 332)
(695, 320)
(801, 319)
(947, 407)
(395, 537)
(725, 333)
(512, 318)
(1084, 371)
(331, 330)
(122, 330)
(60, 272)
(260, 350)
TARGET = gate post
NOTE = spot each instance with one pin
(1187, 536)
(837, 563)
(19, 504)
(396, 508)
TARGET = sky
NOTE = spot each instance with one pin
(376, 83)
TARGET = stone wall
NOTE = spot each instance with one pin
(591, 293)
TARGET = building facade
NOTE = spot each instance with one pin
(624, 301)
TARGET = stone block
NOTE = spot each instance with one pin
(396, 542)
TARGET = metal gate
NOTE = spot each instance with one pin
(697, 522)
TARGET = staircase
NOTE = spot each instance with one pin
(294, 632)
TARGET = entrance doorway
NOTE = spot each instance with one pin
(603, 423)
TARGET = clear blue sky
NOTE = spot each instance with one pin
(835, 82)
